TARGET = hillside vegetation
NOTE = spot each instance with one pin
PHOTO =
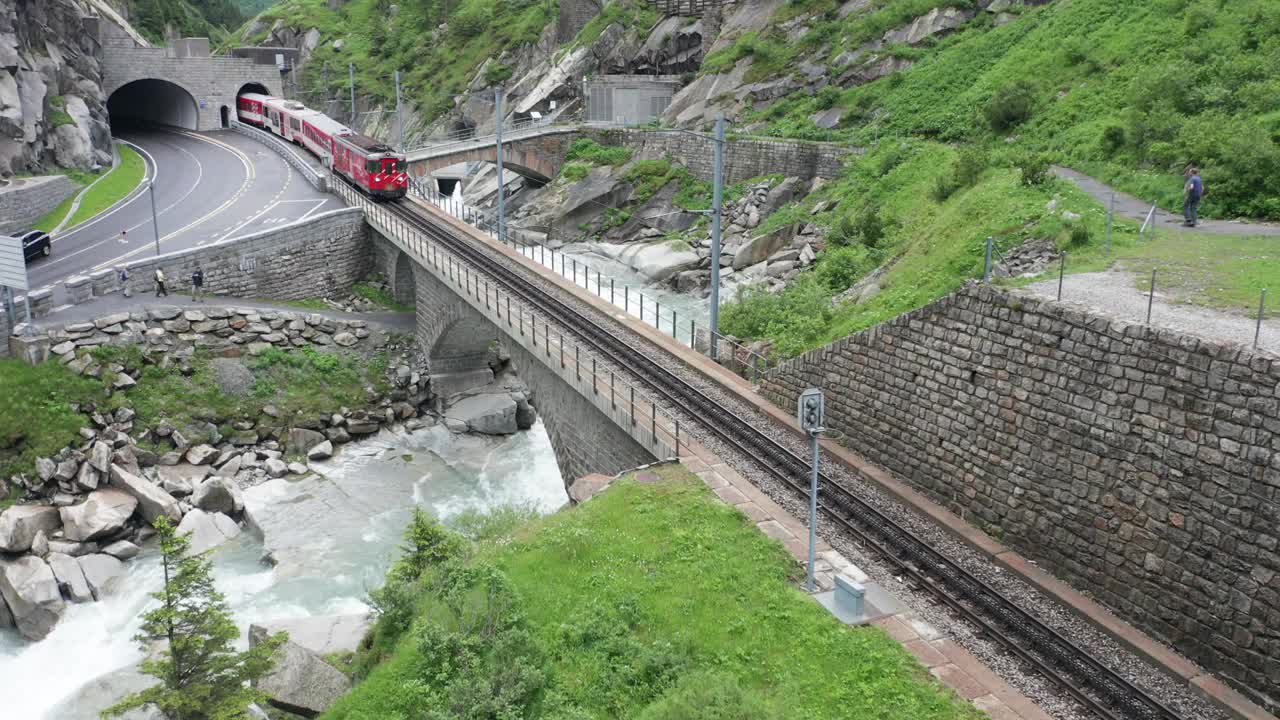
(437, 64)
(652, 601)
(185, 18)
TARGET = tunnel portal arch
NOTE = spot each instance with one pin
(152, 101)
(253, 87)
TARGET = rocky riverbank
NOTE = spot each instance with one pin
(88, 508)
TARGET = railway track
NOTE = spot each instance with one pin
(1096, 687)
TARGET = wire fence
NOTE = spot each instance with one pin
(687, 330)
(536, 332)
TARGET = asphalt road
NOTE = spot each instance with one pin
(208, 187)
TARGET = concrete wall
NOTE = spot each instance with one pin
(211, 81)
(574, 15)
(27, 200)
(1140, 465)
(744, 158)
(629, 99)
(314, 258)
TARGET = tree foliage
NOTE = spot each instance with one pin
(201, 675)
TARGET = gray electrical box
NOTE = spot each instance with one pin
(811, 411)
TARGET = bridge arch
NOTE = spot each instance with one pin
(151, 101)
(403, 286)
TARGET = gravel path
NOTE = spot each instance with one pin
(1062, 619)
(1115, 294)
(1137, 209)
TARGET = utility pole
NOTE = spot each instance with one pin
(399, 114)
(351, 79)
(155, 219)
(497, 112)
(716, 211)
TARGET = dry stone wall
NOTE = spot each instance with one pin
(1140, 465)
(29, 199)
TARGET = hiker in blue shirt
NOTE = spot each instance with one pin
(1193, 192)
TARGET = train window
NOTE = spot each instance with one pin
(371, 166)
(295, 123)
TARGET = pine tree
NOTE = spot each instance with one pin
(201, 675)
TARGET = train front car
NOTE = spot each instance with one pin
(380, 171)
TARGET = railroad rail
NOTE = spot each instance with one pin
(1095, 686)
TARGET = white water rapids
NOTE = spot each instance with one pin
(335, 534)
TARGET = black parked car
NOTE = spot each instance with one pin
(35, 244)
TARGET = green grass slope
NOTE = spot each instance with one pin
(1130, 90)
(652, 601)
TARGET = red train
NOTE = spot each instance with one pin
(371, 165)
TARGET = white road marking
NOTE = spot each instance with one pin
(319, 204)
(60, 308)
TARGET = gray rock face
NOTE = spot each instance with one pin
(759, 248)
(152, 501)
(20, 523)
(320, 451)
(207, 530)
(201, 454)
(103, 513)
(321, 634)
(277, 468)
(215, 495)
(100, 571)
(31, 591)
(488, 414)
(302, 682)
(6, 617)
(121, 549)
(70, 578)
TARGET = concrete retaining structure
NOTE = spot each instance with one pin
(1140, 465)
(307, 259)
(26, 200)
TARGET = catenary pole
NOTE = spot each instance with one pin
(399, 113)
(716, 211)
(351, 81)
(497, 113)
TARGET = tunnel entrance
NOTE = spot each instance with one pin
(252, 87)
(226, 116)
(446, 185)
(153, 102)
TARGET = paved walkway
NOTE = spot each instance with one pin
(1115, 294)
(99, 306)
(1137, 209)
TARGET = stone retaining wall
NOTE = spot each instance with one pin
(1140, 465)
(29, 199)
(744, 158)
(313, 258)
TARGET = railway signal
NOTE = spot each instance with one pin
(811, 413)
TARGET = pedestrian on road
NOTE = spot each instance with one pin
(197, 285)
(160, 289)
(1193, 192)
(123, 239)
(124, 281)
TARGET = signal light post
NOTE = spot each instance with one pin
(811, 414)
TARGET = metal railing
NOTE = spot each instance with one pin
(688, 331)
(317, 179)
(536, 332)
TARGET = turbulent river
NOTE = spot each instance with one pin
(334, 535)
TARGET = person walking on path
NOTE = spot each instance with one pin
(197, 285)
(124, 281)
(123, 238)
(160, 289)
(1193, 191)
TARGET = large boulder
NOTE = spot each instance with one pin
(152, 500)
(302, 682)
(301, 440)
(70, 577)
(6, 617)
(759, 248)
(101, 572)
(321, 634)
(215, 495)
(658, 261)
(104, 513)
(102, 692)
(31, 591)
(207, 530)
(20, 523)
(488, 414)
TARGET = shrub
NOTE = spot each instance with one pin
(891, 158)
(427, 544)
(861, 226)
(970, 166)
(466, 23)
(944, 187)
(498, 73)
(1080, 236)
(1113, 139)
(1034, 168)
(827, 97)
(589, 151)
(841, 267)
(575, 171)
(1010, 106)
(710, 696)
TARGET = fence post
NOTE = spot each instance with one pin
(594, 389)
(1262, 304)
(613, 403)
(1111, 212)
(986, 263)
(633, 404)
(611, 298)
(1151, 295)
(1062, 269)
